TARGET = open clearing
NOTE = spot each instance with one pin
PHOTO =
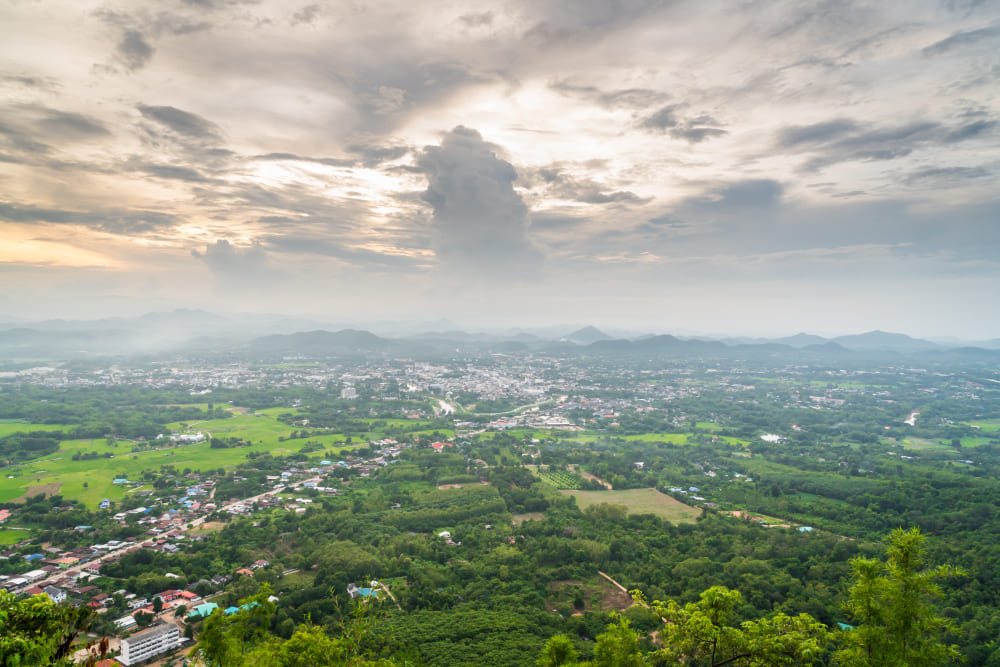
(639, 501)
(597, 594)
(49, 489)
(209, 527)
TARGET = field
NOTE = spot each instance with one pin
(986, 426)
(89, 481)
(48, 489)
(9, 427)
(12, 536)
(560, 479)
(639, 501)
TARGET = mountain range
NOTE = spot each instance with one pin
(202, 332)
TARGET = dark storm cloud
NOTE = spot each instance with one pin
(961, 39)
(182, 122)
(480, 224)
(237, 268)
(113, 221)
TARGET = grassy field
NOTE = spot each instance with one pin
(639, 501)
(12, 536)
(8, 427)
(88, 481)
(986, 426)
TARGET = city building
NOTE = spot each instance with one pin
(149, 643)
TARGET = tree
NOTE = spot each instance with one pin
(618, 646)
(37, 631)
(558, 652)
(701, 633)
(157, 604)
(893, 606)
(244, 640)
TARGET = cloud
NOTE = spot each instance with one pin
(291, 157)
(693, 130)
(477, 20)
(661, 120)
(556, 183)
(115, 221)
(307, 14)
(638, 98)
(969, 130)
(172, 172)
(480, 224)
(847, 140)
(946, 175)
(237, 268)
(961, 39)
(70, 125)
(133, 50)
(182, 122)
(796, 135)
(742, 195)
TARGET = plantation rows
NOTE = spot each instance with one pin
(561, 480)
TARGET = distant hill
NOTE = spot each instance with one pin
(320, 343)
(587, 335)
(881, 340)
(800, 340)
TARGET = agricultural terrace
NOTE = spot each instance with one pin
(639, 501)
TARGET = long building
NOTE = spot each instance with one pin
(149, 643)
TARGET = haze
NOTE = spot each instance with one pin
(754, 167)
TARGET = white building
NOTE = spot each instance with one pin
(55, 594)
(148, 643)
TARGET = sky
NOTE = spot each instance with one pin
(736, 167)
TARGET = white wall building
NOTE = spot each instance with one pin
(148, 643)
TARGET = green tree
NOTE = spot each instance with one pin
(892, 603)
(558, 652)
(618, 646)
(37, 631)
(702, 633)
